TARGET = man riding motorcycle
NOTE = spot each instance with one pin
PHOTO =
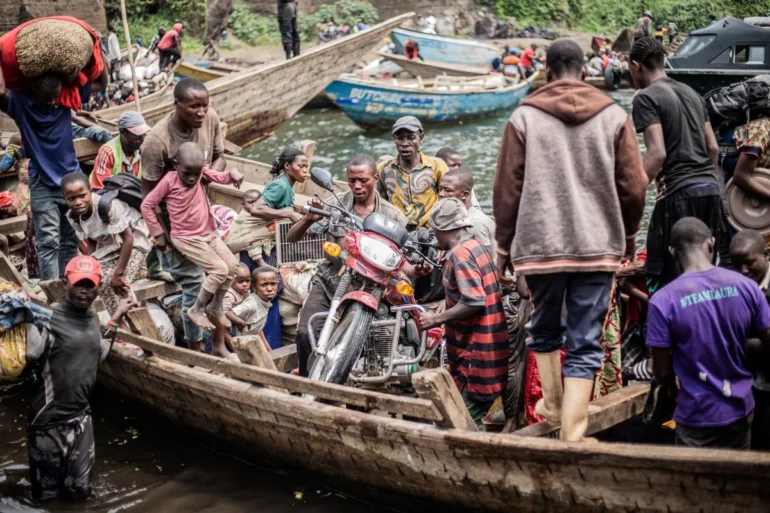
(362, 200)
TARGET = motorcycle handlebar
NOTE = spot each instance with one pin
(312, 210)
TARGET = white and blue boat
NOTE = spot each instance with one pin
(378, 104)
(446, 49)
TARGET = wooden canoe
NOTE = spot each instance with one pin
(438, 458)
(205, 71)
(256, 101)
(426, 69)
(446, 49)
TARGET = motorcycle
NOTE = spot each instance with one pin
(371, 335)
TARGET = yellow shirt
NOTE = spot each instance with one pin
(413, 193)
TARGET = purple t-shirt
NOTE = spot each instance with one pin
(706, 318)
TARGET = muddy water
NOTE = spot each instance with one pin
(144, 463)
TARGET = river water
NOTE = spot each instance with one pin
(144, 463)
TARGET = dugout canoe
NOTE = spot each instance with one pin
(420, 68)
(438, 459)
(256, 101)
(204, 70)
(378, 103)
(454, 50)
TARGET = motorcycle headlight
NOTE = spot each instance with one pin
(379, 253)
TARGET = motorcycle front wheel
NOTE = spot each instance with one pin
(344, 347)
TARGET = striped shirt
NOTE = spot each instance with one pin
(477, 346)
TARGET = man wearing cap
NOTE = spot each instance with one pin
(476, 329)
(63, 358)
(643, 26)
(121, 154)
(410, 180)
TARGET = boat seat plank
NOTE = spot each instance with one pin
(142, 322)
(419, 408)
(437, 386)
(13, 225)
(229, 196)
(285, 358)
(143, 290)
(610, 410)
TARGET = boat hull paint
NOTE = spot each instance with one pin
(446, 49)
(430, 69)
(379, 106)
(483, 471)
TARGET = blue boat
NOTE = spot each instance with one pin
(377, 104)
(446, 49)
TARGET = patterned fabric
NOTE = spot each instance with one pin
(224, 217)
(754, 138)
(413, 193)
(609, 378)
(477, 346)
(110, 298)
(61, 458)
(16, 308)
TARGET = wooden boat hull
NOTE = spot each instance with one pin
(484, 471)
(196, 70)
(446, 49)
(374, 105)
(420, 68)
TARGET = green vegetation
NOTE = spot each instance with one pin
(612, 15)
(252, 29)
(146, 16)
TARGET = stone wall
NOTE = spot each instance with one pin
(13, 12)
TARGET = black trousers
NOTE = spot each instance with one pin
(317, 301)
(760, 427)
(168, 57)
(287, 24)
(733, 436)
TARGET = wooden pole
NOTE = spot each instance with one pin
(130, 54)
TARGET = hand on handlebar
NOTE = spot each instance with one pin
(314, 203)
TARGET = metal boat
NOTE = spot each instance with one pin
(724, 53)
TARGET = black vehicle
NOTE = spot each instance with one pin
(724, 53)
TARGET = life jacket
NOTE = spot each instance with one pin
(411, 49)
(511, 60)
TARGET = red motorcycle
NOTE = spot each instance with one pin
(371, 335)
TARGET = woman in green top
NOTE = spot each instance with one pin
(254, 229)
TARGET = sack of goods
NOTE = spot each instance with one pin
(738, 104)
(53, 46)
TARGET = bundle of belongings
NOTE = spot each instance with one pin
(17, 312)
(59, 45)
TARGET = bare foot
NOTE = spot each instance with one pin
(219, 351)
(219, 316)
(199, 318)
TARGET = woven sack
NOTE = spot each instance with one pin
(53, 46)
(13, 352)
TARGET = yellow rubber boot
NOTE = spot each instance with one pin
(549, 367)
(574, 414)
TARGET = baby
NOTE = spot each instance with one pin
(193, 231)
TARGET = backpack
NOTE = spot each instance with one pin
(738, 104)
(123, 186)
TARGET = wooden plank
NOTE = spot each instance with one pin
(438, 387)
(13, 225)
(285, 358)
(231, 148)
(143, 324)
(9, 273)
(143, 290)
(607, 411)
(252, 350)
(419, 408)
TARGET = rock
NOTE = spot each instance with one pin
(485, 27)
(624, 41)
(445, 25)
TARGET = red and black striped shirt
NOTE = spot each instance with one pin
(477, 346)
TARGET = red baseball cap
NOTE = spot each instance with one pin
(83, 268)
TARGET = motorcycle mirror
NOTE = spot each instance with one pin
(322, 178)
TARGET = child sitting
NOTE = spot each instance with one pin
(120, 244)
(193, 231)
(248, 312)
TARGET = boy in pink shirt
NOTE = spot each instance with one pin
(193, 230)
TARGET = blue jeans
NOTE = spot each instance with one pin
(190, 277)
(587, 300)
(95, 133)
(56, 239)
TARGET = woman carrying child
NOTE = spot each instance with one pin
(252, 234)
(120, 243)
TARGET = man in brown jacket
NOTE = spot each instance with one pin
(568, 201)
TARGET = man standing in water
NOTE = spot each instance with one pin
(682, 153)
(566, 227)
(191, 121)
(287, 24)
(410, 180)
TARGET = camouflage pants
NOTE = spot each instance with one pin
(61, 459)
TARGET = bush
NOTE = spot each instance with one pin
(253, 29)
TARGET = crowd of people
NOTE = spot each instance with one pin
(563, 240)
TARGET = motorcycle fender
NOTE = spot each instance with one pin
(364, 298)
